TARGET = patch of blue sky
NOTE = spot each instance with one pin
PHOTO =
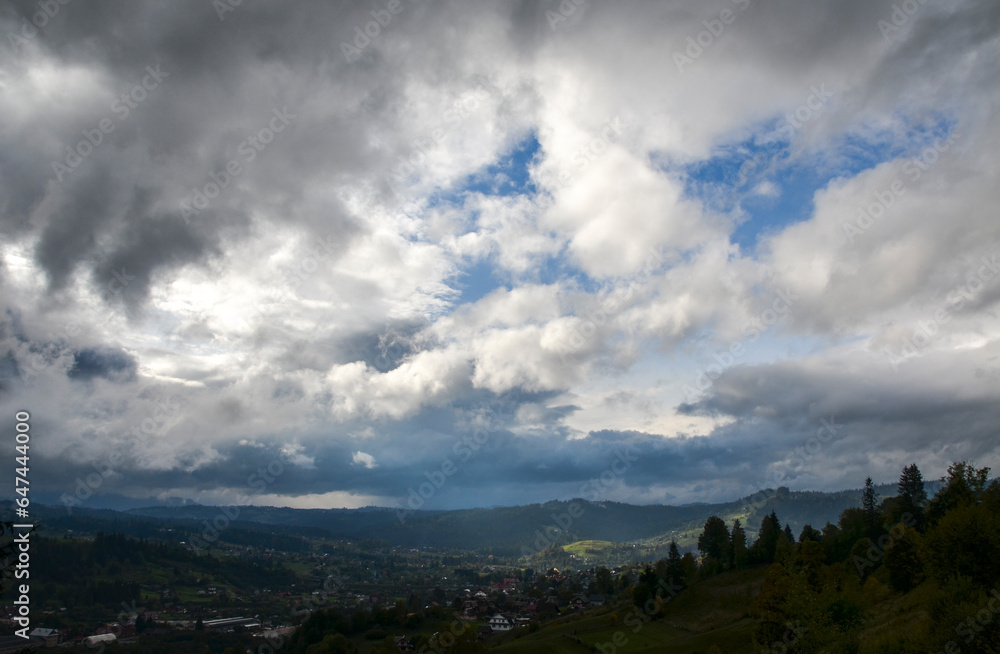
(478, 278)
(766, 185)
(509, 175)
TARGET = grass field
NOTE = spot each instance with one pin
(585, 547)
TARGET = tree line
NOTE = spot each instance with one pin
(825, 586)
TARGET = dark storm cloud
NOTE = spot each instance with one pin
(72, 233)
(114, 365)
(935, 411)
(384, 349)
(791, 390)
(513, 469)
(204, 103)
(22, 183)
(936, 40)
(552, 466)
(8, 371)
(149, 242)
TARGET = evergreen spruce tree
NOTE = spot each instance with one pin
(912, 495)
(767, 539)
(739, 540)
(714, 541)
(675, 572)
(869, 506)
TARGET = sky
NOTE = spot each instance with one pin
(445, 254)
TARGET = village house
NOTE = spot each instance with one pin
(500, 623)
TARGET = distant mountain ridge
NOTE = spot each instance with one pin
(503, 530)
